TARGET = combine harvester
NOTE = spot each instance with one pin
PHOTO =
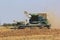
(35, 20)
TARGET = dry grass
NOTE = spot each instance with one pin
(33, 37)
(29, 34)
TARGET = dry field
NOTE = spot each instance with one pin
(29, 34)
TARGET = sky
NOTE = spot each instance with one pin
(14, 9)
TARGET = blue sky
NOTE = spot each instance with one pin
(14, 9)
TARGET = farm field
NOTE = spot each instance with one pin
(29, 34)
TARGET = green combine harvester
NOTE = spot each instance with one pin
(36, 20)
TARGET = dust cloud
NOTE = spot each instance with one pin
(54, 20)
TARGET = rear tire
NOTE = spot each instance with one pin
(48, 26)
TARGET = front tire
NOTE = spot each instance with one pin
(21, 27)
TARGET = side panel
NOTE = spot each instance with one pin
(43, 14)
